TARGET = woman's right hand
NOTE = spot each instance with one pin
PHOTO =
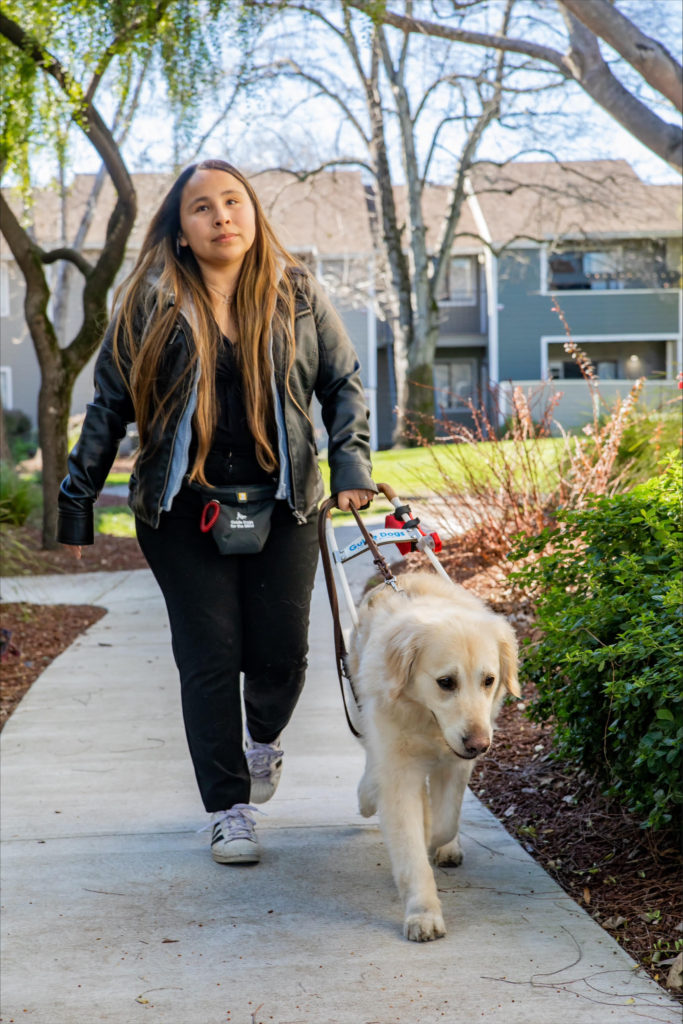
(75, 549)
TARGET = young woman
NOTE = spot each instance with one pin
(219, 341)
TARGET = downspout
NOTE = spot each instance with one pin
(371, 382)
(491, 275)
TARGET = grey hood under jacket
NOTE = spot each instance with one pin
(325, 366)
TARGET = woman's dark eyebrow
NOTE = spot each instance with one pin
(206, 199)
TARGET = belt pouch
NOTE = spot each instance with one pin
(238, 517)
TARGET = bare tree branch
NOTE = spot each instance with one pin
(592, 73)
(650, 59)
(490, 110)
(326, 165)
(69, 254)
(583, 64)
(460, 35)
(294, 70)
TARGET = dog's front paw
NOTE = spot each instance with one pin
(367, 798)
(424, 927)
(450, 855)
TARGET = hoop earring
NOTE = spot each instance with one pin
(177, 247)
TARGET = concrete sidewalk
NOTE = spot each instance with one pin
(114, 911)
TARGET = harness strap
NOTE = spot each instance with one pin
(377, 556)
(340, 652)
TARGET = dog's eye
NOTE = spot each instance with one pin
(447, 682)
(489, 681)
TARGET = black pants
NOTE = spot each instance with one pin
(232, 614)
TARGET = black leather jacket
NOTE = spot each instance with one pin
(325, 365)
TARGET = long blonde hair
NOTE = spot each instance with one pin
(166, 278)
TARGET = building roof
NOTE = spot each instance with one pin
(327, 213)
(547, 200)
(435, 204)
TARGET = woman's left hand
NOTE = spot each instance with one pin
(360, 499)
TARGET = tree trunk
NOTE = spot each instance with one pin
(421, 417)
(421, 424)
(54, 401)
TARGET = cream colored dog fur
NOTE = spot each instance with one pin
(431, 667)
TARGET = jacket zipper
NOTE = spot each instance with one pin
(299, 516)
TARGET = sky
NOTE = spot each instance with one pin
(256, 135)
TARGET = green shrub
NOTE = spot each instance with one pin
(18, 496)
(21, 437)
(645, 440)
(606, 581)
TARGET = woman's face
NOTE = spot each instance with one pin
(217, 219)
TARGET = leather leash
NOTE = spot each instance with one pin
(340, 652)
(377, 556)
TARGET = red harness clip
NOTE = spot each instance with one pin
(210, 514)
(394, 523)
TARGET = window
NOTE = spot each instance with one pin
(459, 286)
(637, 264)
(4, 290)
(455, 383)
(607, 369)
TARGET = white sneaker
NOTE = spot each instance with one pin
(265, 769)
(233, 839)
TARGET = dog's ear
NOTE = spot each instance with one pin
(507, 651)
(401, 652)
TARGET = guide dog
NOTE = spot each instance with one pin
(431, 665)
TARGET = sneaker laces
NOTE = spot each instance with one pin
(238, 821)
(261, 758)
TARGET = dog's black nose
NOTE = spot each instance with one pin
(475, 744)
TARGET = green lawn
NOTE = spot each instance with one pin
(414, 473)
(419, 472)
(118, 522)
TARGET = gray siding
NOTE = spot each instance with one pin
(526, 316)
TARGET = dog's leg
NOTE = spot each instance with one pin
(402, 819)
(447, 784)
(367, 789)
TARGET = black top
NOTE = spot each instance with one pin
(232, 457)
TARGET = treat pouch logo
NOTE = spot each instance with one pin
(242, 522)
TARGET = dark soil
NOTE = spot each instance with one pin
(107, 554)
(37, 634)
(629, 879)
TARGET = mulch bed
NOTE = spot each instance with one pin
(107, 554)
(37, 634)
(629, 879)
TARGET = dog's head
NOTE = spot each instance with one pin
(459, 670)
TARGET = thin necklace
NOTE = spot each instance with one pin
(226, 298)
